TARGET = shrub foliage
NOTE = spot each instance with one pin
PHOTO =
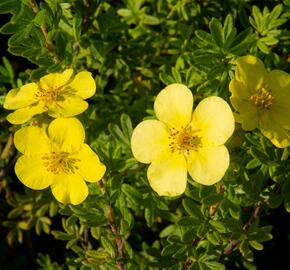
(134, 48)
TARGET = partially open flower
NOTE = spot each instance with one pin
(59, 159)
(56, 93)
(182, 141)
(262, 99)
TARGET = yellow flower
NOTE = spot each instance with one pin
(262, 99)
(182, 141)
(56, 93)
(58, 158)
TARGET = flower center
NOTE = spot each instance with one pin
(263, 99)
(184, 140)
(59, 162)
(47, 96)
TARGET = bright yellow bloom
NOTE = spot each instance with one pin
(262, 99)
(58, 158)
(182, 141)
(56, 93)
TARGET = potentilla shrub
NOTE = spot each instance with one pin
(143, 134)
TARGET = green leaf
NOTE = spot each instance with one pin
(170, 229)
(269, 41)
(20, 37)
(97, 256)
(150, 20)
(194, 77)
(276, 12)
(132, 194)
(62, 236)
(7, 6)
(241, 41)
(214, 265)
(124, 12)
(41, 18)
(118, 135)
(228, 26)
(109, 247)
(257, 18)
(216, 30)
(252, 164)
(170, 249)
(259, 155)
(204, 36)
(212, 199)
(8, 67)
(77, 27)
(166, 79)
(186, 221)
(42, 210)
(214, 238)
(256, 245)
(192, 209)
(176, 75)
(219, 226)
(126, 125)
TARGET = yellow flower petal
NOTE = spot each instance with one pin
(281, 115)
(248, 120)
(66, 134)
(168, 176)
(68, 106)
(247, 113)
(19, 98)
(214, 119)
(173, 105)
(32, 173)
(32, 140)
(208, 165)
(251, 71)
(22, 115)
(55, 80)
(279, 83)
(69, 188)
(150, 140)
(239, 89)
(243, 105)
(278, 135)
(89, 165)
(83, 85)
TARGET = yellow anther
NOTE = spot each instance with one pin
(263, 99)
(182, 141)
(59, 162)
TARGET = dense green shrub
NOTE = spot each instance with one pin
(134, 48)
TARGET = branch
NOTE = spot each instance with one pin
(48, 45)
(234, 243)
(8, 147)
(188, 262)
(119, 241)
(213, 208)
(84, 239)
(115, 231)
(86, 21)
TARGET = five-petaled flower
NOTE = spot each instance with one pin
(58, 158)
(262, 99)
(182, 141)
(56, 93)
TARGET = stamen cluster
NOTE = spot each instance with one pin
(60, 162)
(184, 140)
(263, 99)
